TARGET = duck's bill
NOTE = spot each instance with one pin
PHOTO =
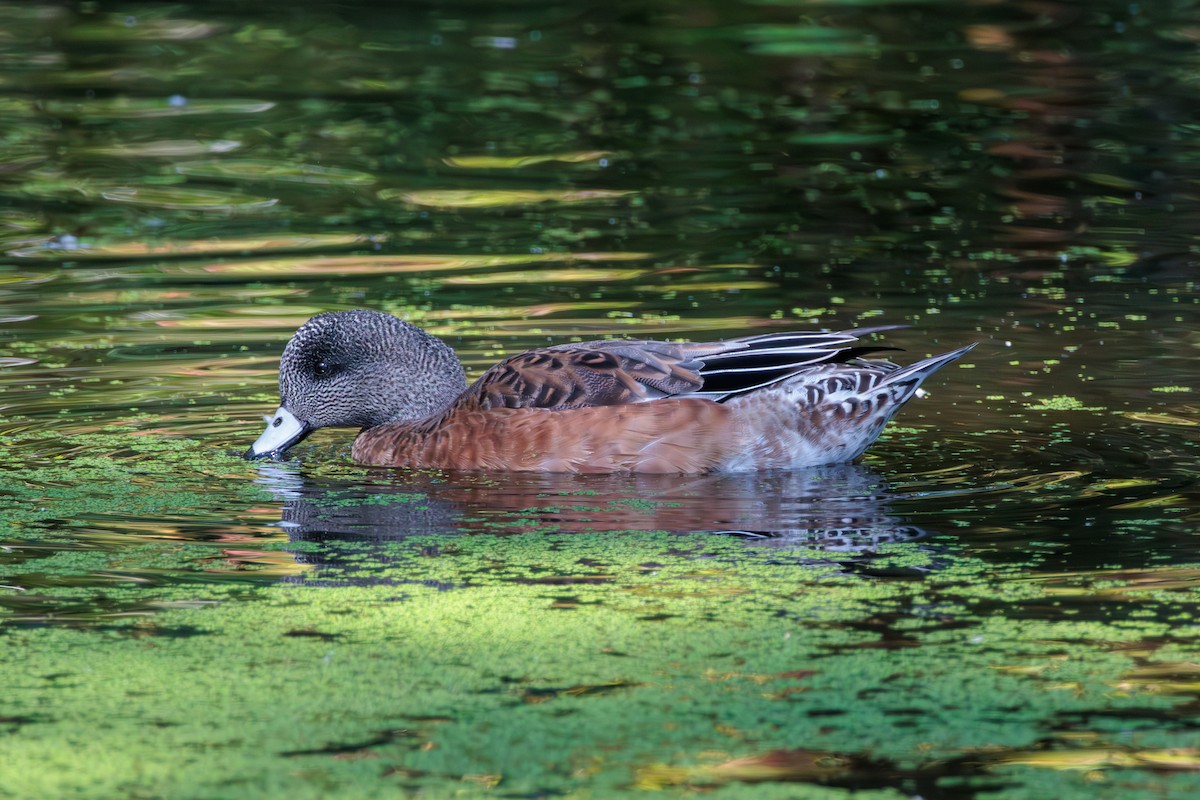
(283, 431)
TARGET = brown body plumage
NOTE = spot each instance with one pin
(775, 401)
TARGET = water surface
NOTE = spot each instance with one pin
(998, 601)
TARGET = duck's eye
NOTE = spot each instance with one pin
(321, 367)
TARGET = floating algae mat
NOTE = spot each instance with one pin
(998, 602)
(549, 664)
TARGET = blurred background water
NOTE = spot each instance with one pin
(182, 185)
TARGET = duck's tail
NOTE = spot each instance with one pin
(908, 379)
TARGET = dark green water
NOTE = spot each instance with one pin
(998, 602)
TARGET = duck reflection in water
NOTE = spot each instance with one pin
(841, 509)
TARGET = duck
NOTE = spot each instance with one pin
(780, 400)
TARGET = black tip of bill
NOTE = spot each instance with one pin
(283, 431)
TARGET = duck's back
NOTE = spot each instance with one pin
(778, 401)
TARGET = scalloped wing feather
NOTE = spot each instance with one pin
(621, 371)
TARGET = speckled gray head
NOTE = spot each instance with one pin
(358, 369)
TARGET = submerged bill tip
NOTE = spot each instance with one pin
(283, 431)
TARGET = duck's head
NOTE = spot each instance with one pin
(360, 369)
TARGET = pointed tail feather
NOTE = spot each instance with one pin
(858, 333)
(914, 374)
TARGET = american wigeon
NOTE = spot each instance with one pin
(773, 401)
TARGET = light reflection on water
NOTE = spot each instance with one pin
(841, 507)
(181, 187)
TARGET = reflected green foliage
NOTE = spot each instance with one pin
(998, 603)
(55, 482)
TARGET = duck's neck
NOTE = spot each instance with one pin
(418, 424)
(430, 396)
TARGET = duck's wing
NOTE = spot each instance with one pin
(619, 371)
(772, 357)
(603, 373)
